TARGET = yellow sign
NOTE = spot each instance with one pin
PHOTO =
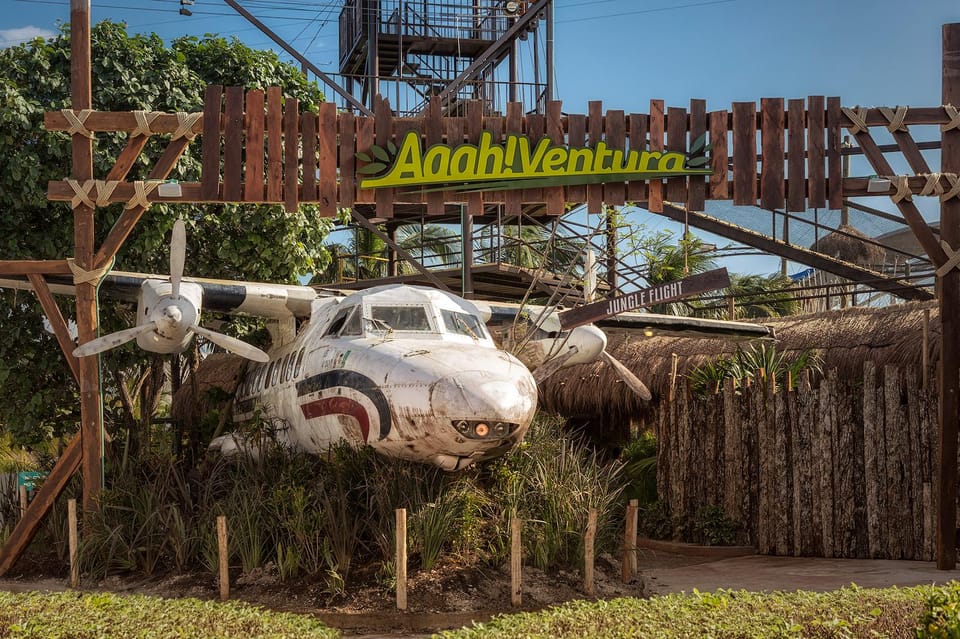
(517, 163)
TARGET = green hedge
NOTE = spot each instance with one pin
(71, 615)
(848, 613)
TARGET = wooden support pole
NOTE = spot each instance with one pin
(925, 352)
(55, 317)
(731, 308)
(72, 542)
(223, 551)
(628, 565)
(24, 500)
(401, 557)
(589, 541)
(949, 321)
(516, 562)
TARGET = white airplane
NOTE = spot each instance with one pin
(411, 371)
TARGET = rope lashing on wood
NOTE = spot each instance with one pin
(141, 190)
(82, 193)
(902, 184)
(895, 119)
(954, 116)
(932, 185)
(954, 187)
(83, 276)
(144, 120)
(185, 124)
(858, 116)
(76, 120)
(953, 259)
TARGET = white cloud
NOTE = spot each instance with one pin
(11, 37)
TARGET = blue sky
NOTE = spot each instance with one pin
(626, 52)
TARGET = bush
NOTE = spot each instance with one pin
(712, 527)
(941, 614)
(847, 613)
(72, 615)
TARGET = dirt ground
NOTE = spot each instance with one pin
(449, 596)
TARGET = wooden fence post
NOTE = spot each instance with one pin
(628, 566)
(72, 542)
(401, 557)
(24, 501)
(516, 596)
(223, 549)
(589, 540)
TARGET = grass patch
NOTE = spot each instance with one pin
(847, 613)
(79, 616)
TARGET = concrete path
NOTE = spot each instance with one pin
(757, 572)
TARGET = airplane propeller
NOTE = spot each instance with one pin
(170, 314)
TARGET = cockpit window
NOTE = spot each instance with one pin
(463, 323)
(353, 325)
(401, 318)
(338, 321)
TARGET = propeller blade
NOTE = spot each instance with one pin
(232, 344)
(178, 251)
(553, 364)
(627, 376)
(112, 340)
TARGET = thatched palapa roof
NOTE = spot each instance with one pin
(846, 243)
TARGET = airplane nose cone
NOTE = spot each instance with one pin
(476, 393)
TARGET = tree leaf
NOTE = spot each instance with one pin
(370, 169)
(698, 144)
(698, 161)
(380, 153)
(392, 148)
(365, 157)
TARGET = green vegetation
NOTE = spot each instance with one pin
(72, 615)
(847, 613)
(748, 363)
(941, 614)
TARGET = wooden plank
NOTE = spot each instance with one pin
(514, 124)
(253, 171)
(433, 127)
(873, 475)
(516, 562)
(274, 144)
(455, 126)
(233, 146)
(845, 451)
(595, 129)
(327, 156)
(577, 137)
(697, 191)
(364, 141)
(796, 152)
(816, 170)
(210, 149)
(834, 159)
(223, 555)
(534, 128)
(496, 125)
(400, 545)
(347, 150)
(745, 153)
(25, 530)
(308, 136)
(657, 124)
(677, 141)
(52, 310)
(129, 156)
(291, 155)
(589, 540)
(719, 158)
(554, 196)
(615, 193)
(637, 189)
(825, 470)
(771, 143)
(42, 267)
(474, 128)
(779, 416)
(383, 132)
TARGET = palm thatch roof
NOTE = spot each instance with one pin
(845, 339)
(846, 243)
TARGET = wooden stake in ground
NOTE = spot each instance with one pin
(628, 566)
(72, 540)
(401, 568)
(589, 539)
(24, 500)
(516, 597)
(223, 550)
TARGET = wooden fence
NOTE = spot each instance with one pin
(844, 469)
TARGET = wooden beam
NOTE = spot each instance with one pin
(946, 482)
(25, 267)
(55, 317)
(42, 502)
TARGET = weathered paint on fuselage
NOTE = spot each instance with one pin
(403, 393)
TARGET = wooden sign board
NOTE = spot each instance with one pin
(660, 294)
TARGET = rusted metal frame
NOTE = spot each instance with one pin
(370, 226)
(49, 490)
(129, 218)
(794, 253)
(949, 293)
(531, 14)
(343, 93)
(908, 209)
(55, 317)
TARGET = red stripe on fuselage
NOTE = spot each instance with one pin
(338, 406)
